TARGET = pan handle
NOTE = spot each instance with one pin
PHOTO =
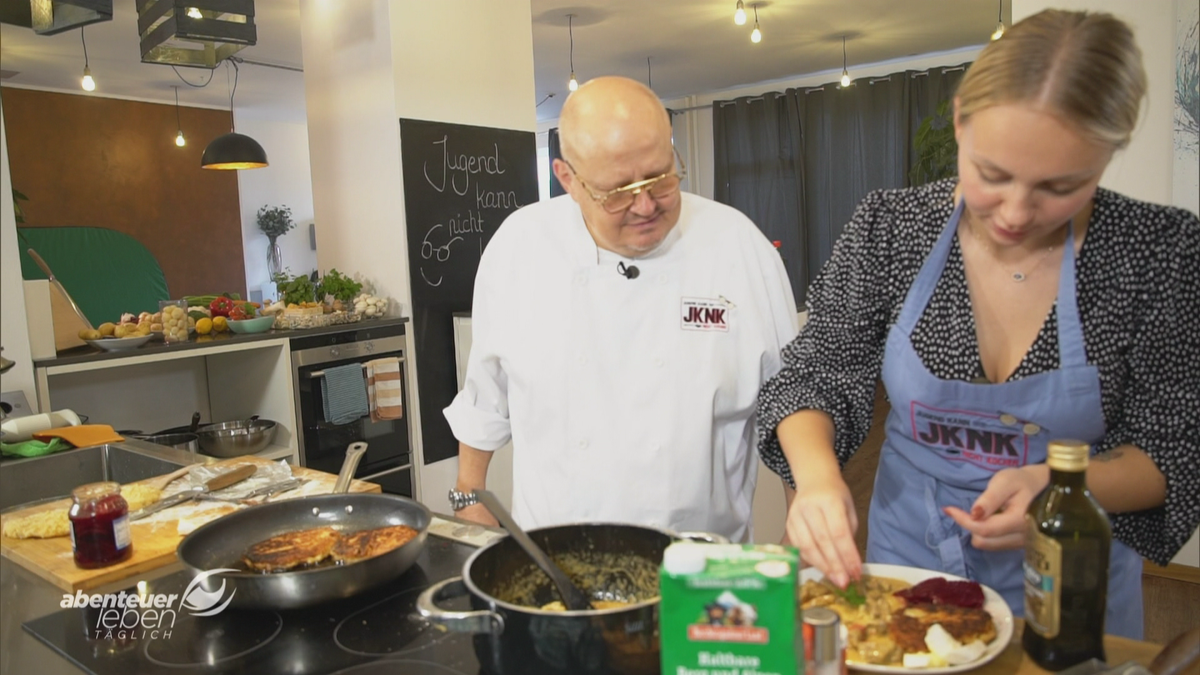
(480, 621)
(706, 537)
(354, 454)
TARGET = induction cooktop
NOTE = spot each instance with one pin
(373, 633)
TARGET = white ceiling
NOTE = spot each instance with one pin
(693, 46)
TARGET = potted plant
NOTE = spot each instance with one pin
(937, 151)
(274, 221)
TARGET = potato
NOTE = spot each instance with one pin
(106, 329)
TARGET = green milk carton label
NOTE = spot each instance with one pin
(730, 609)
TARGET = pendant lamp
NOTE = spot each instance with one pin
(50, 17)
(573, 83)
(196, 33)
(999, 32)
(233, 150)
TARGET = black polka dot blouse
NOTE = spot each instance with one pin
(1138, 280)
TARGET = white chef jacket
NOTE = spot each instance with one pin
(626, 400)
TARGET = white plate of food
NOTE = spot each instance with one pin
(113, 344)
(874, 646)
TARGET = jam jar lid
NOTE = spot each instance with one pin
(93, 491)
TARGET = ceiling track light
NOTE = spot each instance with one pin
(233, 150)
(845, 70)
(756, 34)
(572, 84)
(87, 82)
(999, 32)
(179, 139)
(739, 14)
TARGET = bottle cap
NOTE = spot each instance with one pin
(825, 624)
(1067, 455)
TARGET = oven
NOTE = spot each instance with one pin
(388, 461)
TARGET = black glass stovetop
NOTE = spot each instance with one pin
(374, 633)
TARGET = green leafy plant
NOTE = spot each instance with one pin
(340, 286)
(937, 151)
(275, 221)
(17, 199)
(294, 290)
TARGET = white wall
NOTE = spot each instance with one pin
(286, 182)
(14, 331)
(366, 66)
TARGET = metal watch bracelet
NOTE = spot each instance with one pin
(461, 500)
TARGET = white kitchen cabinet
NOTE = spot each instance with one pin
(161, 388)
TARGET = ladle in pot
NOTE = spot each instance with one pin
(573, 598)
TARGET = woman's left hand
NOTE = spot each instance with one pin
(997, 518)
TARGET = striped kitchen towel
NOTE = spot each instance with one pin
(384, 389)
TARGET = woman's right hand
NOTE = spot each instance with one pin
(821, 522)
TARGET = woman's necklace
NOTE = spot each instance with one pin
(1017, 276)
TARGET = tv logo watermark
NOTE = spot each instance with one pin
(135, 616)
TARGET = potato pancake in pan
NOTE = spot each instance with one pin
(292, 549)
(308, 548)
(370, 543)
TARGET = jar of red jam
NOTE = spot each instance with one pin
(99, 525)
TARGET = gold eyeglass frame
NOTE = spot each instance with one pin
(635, 188)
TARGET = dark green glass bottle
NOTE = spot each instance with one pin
(1066, 564)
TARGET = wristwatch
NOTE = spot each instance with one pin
(461, 500)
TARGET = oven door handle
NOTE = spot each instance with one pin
(317, 374)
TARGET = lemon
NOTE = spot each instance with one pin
(204, 326)
(219, 324)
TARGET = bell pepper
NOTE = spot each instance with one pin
(222, 306)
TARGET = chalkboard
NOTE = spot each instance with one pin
(460, 183)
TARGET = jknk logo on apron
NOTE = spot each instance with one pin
(704, 314)
(968, 436)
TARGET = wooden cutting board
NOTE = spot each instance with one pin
(154, 543)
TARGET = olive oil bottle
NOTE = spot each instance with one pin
(1066, 564)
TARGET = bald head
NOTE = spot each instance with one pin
(612, 117)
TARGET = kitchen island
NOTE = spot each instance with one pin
(374, 633)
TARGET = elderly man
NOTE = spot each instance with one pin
(620, 336)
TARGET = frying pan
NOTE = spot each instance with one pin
(222, 543)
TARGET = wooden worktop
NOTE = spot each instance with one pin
(1014, 661)
(154, 543)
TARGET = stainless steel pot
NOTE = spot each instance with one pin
(514, 635)
(222, 543)
(233, 439)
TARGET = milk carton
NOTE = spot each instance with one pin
(730, 609)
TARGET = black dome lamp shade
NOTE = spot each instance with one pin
(234, 151)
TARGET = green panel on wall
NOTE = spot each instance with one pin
(106, 272)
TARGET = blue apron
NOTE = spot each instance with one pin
(947, 438)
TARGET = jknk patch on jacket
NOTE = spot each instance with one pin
(704, 314)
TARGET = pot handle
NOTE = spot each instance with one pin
(480, 621)
(704, 537)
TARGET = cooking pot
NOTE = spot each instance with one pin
(514, 635)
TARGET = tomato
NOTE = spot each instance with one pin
(238, 313)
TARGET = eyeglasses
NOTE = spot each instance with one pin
(620, 199)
